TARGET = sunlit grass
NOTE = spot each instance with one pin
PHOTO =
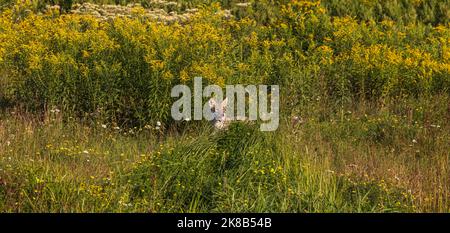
(318, 166)
(81, 97)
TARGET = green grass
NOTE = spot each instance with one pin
(79, 104)
(323, 165)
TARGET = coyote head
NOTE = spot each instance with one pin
(220, 120)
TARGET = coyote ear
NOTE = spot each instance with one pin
(212, 104)
(224, 104)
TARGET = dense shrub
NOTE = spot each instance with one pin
(122, 69)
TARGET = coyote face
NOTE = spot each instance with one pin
(220, 120)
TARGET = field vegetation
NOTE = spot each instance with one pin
(85, 102)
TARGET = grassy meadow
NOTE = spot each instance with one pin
(85, 102)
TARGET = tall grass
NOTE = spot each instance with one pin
(388, 159)
(80, 98)
(122, 69)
